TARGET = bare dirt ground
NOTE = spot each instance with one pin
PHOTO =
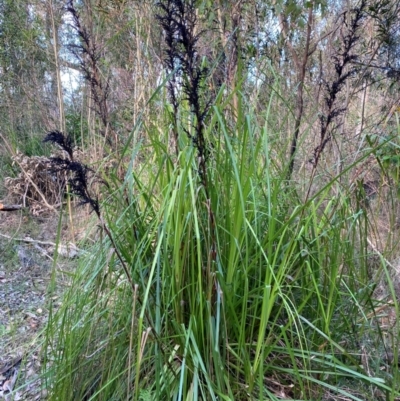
(31, 281)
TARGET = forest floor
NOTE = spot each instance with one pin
(33, 277)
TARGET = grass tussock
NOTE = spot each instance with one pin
(242, 291)
(214, 277)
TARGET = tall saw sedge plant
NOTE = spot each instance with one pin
(271, 300)
(209, 281)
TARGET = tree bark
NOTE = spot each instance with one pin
(301, 65)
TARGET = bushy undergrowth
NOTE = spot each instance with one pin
(12, 144)
(242, 290)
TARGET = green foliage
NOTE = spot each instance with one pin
(238, 295)
(20, 44)
(76, 126)
(23, 64)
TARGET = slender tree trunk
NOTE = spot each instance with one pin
(301, 65)
(54, 29)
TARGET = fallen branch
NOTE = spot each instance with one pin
(9, 208)
(70, 250)
(28, 240)
(40, 193)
